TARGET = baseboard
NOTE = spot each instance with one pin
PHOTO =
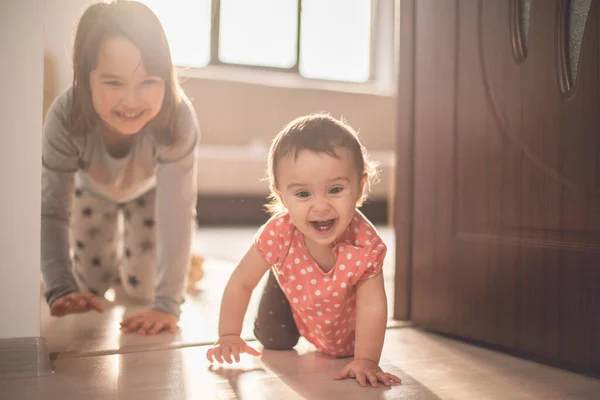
(249, 210)
(24, 358)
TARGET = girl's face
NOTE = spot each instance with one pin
(320, 193)
(124, 96)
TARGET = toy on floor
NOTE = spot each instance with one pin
(196, 271)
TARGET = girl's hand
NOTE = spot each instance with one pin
(150, 322)
(364, 370)
(227, 346)
(74, 303)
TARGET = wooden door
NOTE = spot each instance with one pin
(498, 213)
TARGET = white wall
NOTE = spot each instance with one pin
(21, 74)
(60, 18)
(241, 110)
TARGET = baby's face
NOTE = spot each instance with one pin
(124, 96)
(320, 192)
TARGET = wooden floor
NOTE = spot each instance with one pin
(91, 360)
(430, 366)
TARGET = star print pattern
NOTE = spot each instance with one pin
(93, 232)
(146, 246)
(108, 216)
(133, 280)
(106, 277)
(96, 238)
(323, 304)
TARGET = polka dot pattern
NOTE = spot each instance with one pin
(323, 304)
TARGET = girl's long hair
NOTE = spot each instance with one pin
(137, 23)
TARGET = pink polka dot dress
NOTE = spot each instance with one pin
(323, 303)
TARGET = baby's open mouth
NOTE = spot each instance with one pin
(323, 225)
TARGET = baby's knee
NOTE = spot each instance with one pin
(276, 339)
(279, 343)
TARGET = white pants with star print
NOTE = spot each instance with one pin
(109, 239)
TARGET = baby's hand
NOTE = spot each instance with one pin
(75, 302)
(227, 346)
(364, 370)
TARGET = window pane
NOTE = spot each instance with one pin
(258, 32)
(335, 39)
(187, 26)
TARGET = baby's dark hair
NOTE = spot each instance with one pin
(319, 133)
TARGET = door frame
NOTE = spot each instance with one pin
(404, 176)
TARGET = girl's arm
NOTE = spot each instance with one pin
(237, 293)
(60, 158)
(176, 197)
(57, 189)
(371, 318)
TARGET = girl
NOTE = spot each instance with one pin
(121, 141)
(325, 258)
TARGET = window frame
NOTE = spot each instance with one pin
(215, 36)
(378, 50)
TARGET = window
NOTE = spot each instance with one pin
(187, 26)
(319, 39)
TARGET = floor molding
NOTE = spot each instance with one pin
(24, 358)
(249, 210)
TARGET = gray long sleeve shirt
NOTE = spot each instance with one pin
(69, 159)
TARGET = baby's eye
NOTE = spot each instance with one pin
(336, 190)
(303, 194)
(150, 81)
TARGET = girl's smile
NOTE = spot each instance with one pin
(129, 116)
(125, 97)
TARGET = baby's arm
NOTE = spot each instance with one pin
(371, 319)
(235, 301)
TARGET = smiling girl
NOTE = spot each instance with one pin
(325, 258)
(121, 141)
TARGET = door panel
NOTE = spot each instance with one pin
(504, 233)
